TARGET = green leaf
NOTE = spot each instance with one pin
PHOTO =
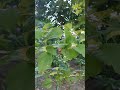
(93, 66)
(51, 50)
(110, 55)
(47, 26)
(80, 49)
(69, 38)
(68, 26)
(38, 34)
(44, 62)
(21, 77)
(54, 33)
(69, 54)
(47, 83)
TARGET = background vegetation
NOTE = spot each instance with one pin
(102, 45)
(17, 44)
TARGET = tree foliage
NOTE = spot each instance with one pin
(60, 38)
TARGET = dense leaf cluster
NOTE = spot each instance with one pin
(60, 41)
